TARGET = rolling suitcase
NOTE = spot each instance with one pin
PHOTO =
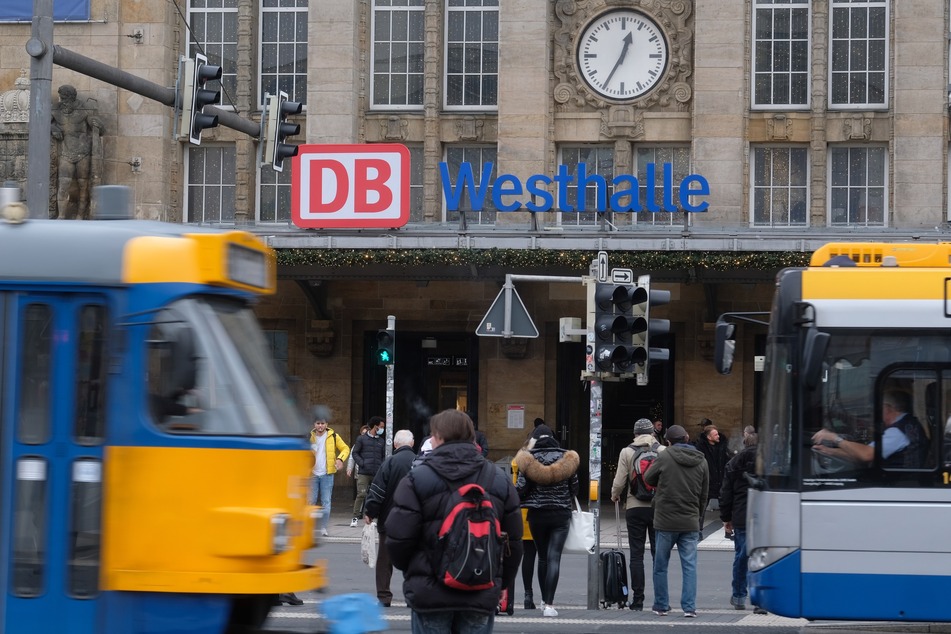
(614, 571)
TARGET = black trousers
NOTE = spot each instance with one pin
(640, 524)
(549, 530)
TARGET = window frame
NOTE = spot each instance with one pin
(831, 188)
(854, 5)
(228, 84)
(772, 188)
(488, 209)
(588, 218)
(674, 219)
(411, 8)
(297, 90)
(789, 5)
(456, 7)
(189, 185)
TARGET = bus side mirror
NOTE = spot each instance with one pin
(724, 347)
(814, 353)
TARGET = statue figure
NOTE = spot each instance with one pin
(78, 130)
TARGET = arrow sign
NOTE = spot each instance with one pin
(493, 324)
(622, 276)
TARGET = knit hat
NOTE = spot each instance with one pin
(676, 433)
(643, 426)
(541, 431)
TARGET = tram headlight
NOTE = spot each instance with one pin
(280, 533)
(762, 557)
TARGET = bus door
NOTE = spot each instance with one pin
(54, 410)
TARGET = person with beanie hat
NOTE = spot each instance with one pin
(638, 514)
(682, 479)
(547, 484)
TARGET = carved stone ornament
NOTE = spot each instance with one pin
(320, 337)
(15, 104)
(675, 17)
(778, 127)
(857, 127)
(393, 128)
(622, 122)
(469, 129)
(514, 347)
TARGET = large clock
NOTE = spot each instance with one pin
(622, 55)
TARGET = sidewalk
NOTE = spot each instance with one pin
(713, 538)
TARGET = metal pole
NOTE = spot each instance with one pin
(41, 79)
(391, 325)
(594, 502)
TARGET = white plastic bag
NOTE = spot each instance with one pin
(369, 544)
(580, 532)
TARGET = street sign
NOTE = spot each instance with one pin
(622, 276)
(602, 266)
(493, 324)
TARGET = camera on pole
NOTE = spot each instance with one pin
(195, 96)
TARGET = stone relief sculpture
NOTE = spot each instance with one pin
(77, 130)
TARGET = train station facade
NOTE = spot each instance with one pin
(810, 121)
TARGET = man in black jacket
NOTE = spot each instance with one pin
(419, 508)
(733, 513)
(380, 500)
(368, 453)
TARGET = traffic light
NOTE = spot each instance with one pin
(613, 328)
(278, 129)
(385, 346)
(195, 97)
(643, 301)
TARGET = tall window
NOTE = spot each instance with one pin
(472, 54)
(284, 48)
(780, 185)
(415, 182)
(780, 53)
(211, 184)
(857, 186)
(679, 159)
(275, 194)
(858, 59)
(398, 52)
(598, 162)
(214, 32)
(477, 205)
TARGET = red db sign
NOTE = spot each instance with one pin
(350, 186)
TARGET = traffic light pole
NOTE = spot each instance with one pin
(390, 325)
(594, 492)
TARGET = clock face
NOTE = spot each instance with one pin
(622, 55)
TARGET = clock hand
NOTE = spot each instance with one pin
(628, 39)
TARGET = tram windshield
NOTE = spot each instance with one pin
(210, 371)
(874, 385)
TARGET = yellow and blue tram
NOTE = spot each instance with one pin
(152, 462)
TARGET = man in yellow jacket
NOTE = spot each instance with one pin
(330, 454)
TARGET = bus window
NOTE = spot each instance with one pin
(91, 376)
(33, 427)
(29, 527)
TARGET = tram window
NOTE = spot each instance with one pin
(91, 376)
(907, 426)
(84, 529)
(33, 426)
(29, 527)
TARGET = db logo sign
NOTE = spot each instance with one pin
(350, 186)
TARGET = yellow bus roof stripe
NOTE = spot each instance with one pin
(878, 283)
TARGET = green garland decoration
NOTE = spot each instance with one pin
(543, 258)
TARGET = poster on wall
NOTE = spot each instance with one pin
(516, 417)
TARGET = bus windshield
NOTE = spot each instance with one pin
(234, 388)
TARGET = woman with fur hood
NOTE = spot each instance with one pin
(547, 485)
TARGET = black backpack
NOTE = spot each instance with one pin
(469, 548)
(644, 457)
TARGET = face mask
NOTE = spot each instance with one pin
(379, 432)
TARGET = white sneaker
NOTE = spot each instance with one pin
(353, 523)
(549, 611)
(324, 532)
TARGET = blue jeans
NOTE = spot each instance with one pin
(322, 489)
(687, 549)
(457, 622)
(741, 562)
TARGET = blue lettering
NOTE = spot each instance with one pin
(563, 179)
(506, 185)
(625, 199)
(534, 190)
(669, 188)
(600, 190)
(686, 192)
(466, 179)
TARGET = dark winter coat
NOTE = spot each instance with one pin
(717, 456)
(419, 507)
(368, 452)
(682, 478)
(547, 477)
(735, 487)
(380, 494)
